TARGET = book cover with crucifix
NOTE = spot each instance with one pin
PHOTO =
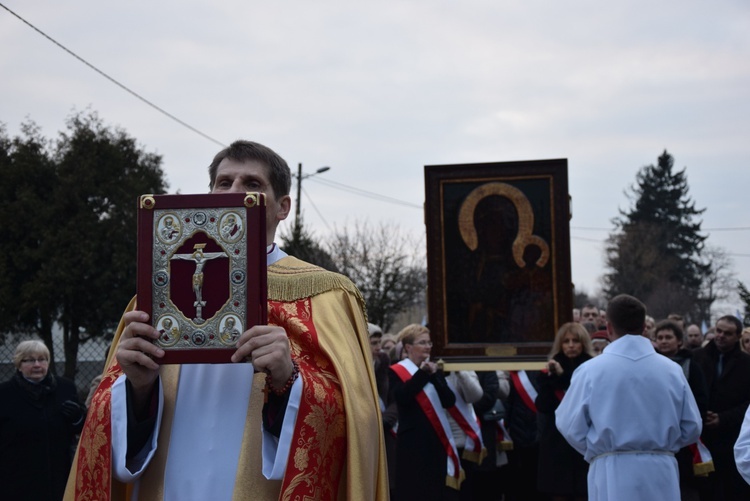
(202, 272)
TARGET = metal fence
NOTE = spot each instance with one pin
(91, 358)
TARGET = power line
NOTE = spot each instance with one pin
(589, 228)
(122, 86)
(309, 199)
(583, 239)
(586, 239)
(593, 228)
(365, 193)
(332, 184)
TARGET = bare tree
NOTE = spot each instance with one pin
(719, 283)
(386, 264)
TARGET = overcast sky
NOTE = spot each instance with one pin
(378, 90)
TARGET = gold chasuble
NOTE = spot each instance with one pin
(337, 448)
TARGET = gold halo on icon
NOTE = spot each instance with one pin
(523, 239)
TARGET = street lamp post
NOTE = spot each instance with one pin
(300, 177)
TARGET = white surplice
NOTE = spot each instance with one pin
(207, 430)
(628, 411)
(742, 448)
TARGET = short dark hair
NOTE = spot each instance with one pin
(669, 325)
(242, 151)
(626, 314)
(733, 320)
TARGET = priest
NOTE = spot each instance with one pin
(300, 421)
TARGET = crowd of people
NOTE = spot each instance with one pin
(318, 404)
(526, 456)
(489, 435)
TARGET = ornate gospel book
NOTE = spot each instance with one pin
(202, 272)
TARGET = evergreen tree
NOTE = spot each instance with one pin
(68, 226)
(27, 180)
(655, 252)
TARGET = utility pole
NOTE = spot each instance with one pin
(300, 177)
(299, 196)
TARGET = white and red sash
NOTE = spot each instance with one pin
(429, 401)
(525, 389)
(504, 442)
(467, 420)
(703, 462)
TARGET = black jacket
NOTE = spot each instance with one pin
(420, 456)
(490, 393)
(729, 395)
(520, 420)
(35, 438)
(695, 378)
(562, 469)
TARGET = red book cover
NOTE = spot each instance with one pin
(202, 272)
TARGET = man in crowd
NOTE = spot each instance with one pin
(590, 314)
(694, 337)
(628, 411)
(648, 329)
(193, 431)
(727, 371)
(380, 362)
(678, 319)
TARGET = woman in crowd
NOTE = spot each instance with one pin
(427, 459)
(388, 341)
(39, 418)
(562, 470)
(745, 340)
(669, 343)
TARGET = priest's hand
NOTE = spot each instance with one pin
(135, 354)
(267, 347)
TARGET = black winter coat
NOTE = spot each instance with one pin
(698, 387)
(421, 458)
(729, 395)
(491, 392)
(562, 469)
(35, 438)
(520, 420)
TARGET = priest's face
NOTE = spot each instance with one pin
(240, 177)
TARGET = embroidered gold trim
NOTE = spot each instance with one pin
(291, 279)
